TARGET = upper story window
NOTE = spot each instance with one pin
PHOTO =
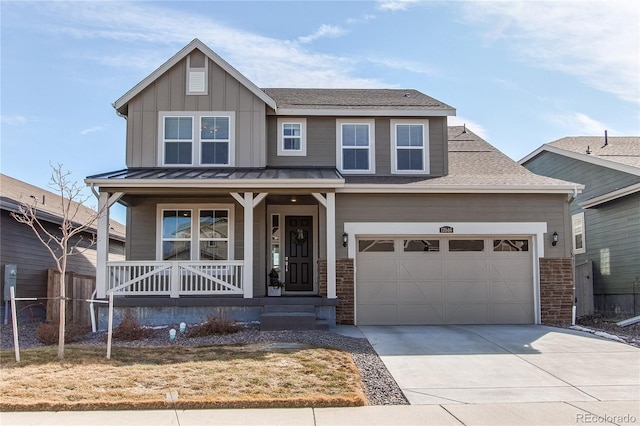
(409, 146)
(182, 144)
(355, 146)
(195, 232)
(292, 137)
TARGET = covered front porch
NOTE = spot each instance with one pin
(258, 207)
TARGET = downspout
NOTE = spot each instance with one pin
(570, 200)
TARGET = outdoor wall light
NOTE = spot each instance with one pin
(345, 239)
(555, 239)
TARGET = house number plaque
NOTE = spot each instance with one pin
(446, 230)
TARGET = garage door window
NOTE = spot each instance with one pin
(421, 245)
(466, 245)
(510, 245)
(376, 246)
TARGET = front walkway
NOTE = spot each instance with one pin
(506, 364)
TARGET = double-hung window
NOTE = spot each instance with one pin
(182, 143)
(410, 146)
(178, 140)
(356, 146)
(214, 140)
(292, 137)
(201, 232)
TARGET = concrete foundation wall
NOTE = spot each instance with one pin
(242, 310)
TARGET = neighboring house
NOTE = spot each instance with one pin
(366, 204)
(19, 246)
(605, 216)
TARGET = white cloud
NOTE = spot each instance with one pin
(475, 127)
(13, 120)
(579, 124)
(269, 62)
(402, 64)
(324, 31)
(90, 130)
(596, 41)
(394, 5)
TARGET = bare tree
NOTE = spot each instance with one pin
(70, 240)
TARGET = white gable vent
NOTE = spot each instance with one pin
(196, 82)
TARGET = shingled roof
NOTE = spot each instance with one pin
(355, 99)
(474, 163)
(619, 149)
(14, 192)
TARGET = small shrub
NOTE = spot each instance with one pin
(213, 325)
(130, 329)
(47, 333)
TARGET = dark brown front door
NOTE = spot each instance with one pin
(298, 253)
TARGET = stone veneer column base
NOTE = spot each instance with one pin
(344, 288)
(556, 290)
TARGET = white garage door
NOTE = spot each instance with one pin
(431, 280)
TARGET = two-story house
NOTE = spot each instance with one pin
(367, 206)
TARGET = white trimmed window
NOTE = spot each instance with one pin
(355, 146)
(292, 137)
(198, 232)
(410, 146)
(212, 143)
(577, 231)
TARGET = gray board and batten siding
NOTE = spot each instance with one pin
(167, 93)
(614, 225)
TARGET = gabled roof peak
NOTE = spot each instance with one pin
(120, 104)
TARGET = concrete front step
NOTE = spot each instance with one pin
(275, 321)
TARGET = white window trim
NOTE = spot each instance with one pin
(195, 230)
(196, 116)
(425, 147)
(580, 217)
(302, 152)
(372, 146)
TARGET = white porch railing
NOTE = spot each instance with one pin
(175, 279)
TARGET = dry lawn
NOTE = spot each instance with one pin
(181, 377)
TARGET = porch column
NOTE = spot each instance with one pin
(102, 245)
(331, 245)
(247, 274)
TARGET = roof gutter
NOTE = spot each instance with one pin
(460, 189)
(217, 183)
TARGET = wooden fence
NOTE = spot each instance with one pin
(78, 288)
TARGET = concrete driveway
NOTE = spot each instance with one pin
(505, 364)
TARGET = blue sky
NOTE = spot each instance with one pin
(520, 74)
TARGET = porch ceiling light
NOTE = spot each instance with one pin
(345, 239)
(555, 239)
(294, 199)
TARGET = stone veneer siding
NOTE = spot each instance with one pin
(556, 290)
(344, 289)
